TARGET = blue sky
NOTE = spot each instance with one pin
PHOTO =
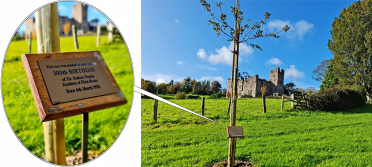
(65, 9)
(177, 41)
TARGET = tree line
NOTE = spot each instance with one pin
(187, 85)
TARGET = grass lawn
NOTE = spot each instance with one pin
(104, 125)
(297, 138)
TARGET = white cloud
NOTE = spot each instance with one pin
(219, 79)
(297, 30)
(274, 61)
(181, 62)
(293, 73)
(177, 21)
(161, 78)
(201, 54)
(223, 55)
(206, 67)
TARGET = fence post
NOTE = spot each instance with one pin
(155, 110)
(292, 100)
(282, 103)
(264, 103)
(202, 110)
(110, 29)
(74, 35)
(98, 35)
(29, 42)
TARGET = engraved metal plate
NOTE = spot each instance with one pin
(235, 131)
(74, 79)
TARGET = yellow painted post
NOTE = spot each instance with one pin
(58, 125)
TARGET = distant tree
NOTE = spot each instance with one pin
(187, 85)
(162, 88)
(330, 80)
(17, 37)
(94, 23)
(351, 45)
(224, 92)
(67, 28)
(319, 72)
(290, 86)
(216, 87)
(245, 75)
(206, 86)
(150, 86)
(171, 82)
(143, 84)
(197, 89)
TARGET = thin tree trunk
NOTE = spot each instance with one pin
(232, 141)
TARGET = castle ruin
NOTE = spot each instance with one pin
(79, 19)
(252, 85)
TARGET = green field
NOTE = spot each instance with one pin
(104, 125)
(297, 138)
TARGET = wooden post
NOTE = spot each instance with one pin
(232, 141)
(264, 104)
(202, 107)
(84, 141)
(58, 125)
(282, 103)
(29, 42)
(74, 35)
(292, 100)
(228, 108)
(42, 20)
(155, 110)
(98, 35)
(110, 30)
(39, 32)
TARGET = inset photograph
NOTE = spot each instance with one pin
(67, 83)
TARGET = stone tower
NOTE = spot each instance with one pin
(277, 79)
(80, 18)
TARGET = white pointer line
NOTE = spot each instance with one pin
(139, 90)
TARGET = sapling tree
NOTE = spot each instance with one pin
(248, 33)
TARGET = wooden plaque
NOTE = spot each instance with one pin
(71, 83)
(235, 131)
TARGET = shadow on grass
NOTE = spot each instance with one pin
(360, 110)
(167, 97)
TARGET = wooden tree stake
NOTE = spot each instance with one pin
(74, 35)
(292, 100)
(228, 108)
(110, 29)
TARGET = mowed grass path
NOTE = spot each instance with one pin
(104, 125)
(297, 138)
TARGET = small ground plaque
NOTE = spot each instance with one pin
(70, 83)
(235, 131)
